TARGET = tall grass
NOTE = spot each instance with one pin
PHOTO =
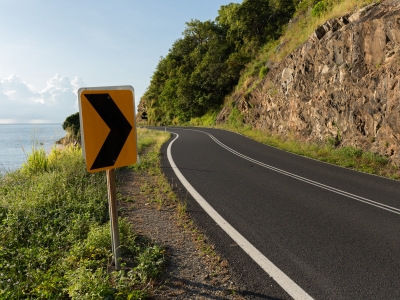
(348, 157)
(55, 238)
(150, 141)
(156, 187)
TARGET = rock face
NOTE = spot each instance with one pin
(343, 83)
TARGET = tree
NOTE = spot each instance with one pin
(204, 65)
(72, 126)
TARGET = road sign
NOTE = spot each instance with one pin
(108, 127)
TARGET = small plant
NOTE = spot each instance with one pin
(235, 118)
(36, 161)
(182, 206)
(263, 72)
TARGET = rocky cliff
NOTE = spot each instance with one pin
(342, 83)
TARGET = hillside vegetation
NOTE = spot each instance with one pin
(55, 234)
(204, 65)
(214, 58)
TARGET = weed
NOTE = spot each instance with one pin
(263, 72)
(209, 119)
(182, 206)
(36, 161)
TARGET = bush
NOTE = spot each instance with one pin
(37, 161)
(319, 9)
(235, 118)
(263, 71)
(72, 126)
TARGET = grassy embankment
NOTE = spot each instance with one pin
(305, 22)
(55, 232)
(159, 191)
(326, 151)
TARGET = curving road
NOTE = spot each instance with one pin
(320, 231)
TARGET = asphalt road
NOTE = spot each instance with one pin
(335, 233)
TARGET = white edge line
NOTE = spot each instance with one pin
(281, 278)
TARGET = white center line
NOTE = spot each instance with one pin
(309, 181)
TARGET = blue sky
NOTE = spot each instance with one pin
(50, 48)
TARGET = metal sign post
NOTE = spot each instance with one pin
(112, 201)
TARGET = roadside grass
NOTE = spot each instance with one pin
(156, 187)
(162, 192)
(209, 119)
(55, 235)
(326, 151)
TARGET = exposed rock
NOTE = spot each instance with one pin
(345, 78)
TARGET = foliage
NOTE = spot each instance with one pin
(37, 161)
(319, 9)
(55, 237)
(205, 64)
(209, 119)
(72, 126)
(263, 71)
(235, 118)
(214, 58)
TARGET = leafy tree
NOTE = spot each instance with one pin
(204, 65)
(72, 126)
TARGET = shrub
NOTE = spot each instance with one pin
(72, 126)
(263, 71)
(36, 161)
(319, 9)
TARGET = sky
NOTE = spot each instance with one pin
(51, 48)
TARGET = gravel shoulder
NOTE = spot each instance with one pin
(193, 269)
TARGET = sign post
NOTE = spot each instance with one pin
(109, 141)
(112, 202)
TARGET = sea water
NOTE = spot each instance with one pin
(17, 140)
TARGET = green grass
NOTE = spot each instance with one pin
(157, 187)
(150, 142)
(348, 157)
(55, 234)
(209, 119)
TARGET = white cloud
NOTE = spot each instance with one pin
(21, 103)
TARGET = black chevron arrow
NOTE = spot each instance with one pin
(119, 129)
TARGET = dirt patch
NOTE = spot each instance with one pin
(193, 270)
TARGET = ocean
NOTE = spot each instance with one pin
(17, 140)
